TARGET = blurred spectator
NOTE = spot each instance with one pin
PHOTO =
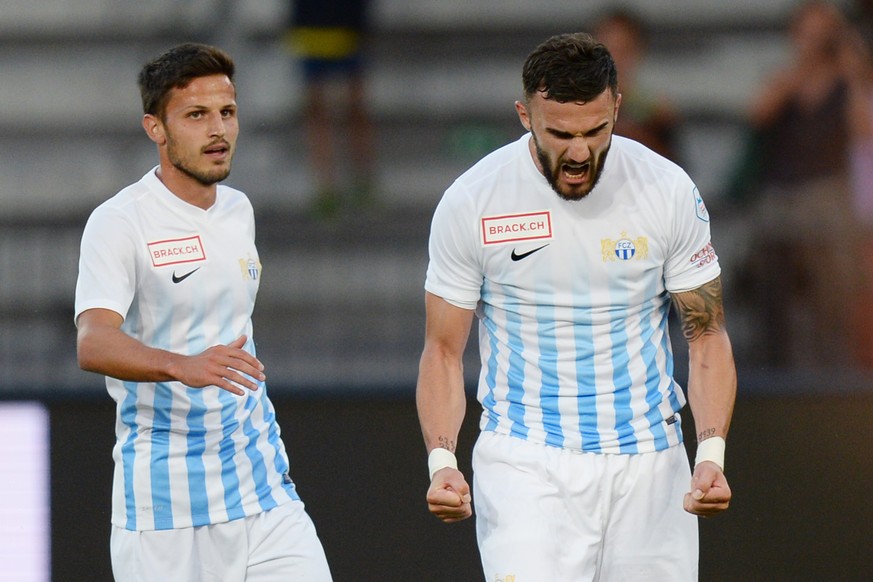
(861, 14)
(858, 65)
(328, 36)
(644, 116)
(861, 168)
(809, 121)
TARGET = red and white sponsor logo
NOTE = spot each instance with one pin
(176, 251)
(704, 256)
(516, 227)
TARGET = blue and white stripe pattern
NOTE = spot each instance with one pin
(574, 342)
(183, 456)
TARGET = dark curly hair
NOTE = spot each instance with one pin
(175, 69)
(569, 68)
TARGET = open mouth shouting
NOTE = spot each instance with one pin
(574, 173)
(570, 179)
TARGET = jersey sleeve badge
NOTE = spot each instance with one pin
(699, 206)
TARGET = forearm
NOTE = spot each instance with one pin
(111, 352)
(712, 384)
(712, 376)
(441, 405)
(712, 387)
(440, 398)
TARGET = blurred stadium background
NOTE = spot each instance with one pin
(339, 321)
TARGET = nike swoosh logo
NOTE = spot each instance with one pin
(517, 257)
(183, 277)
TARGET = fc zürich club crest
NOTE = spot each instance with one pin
(250, 269)
(625, 248)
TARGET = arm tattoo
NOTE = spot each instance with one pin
(700, 310)
(705, 434)
(447, 443)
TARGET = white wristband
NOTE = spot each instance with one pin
(712, 449)
(440, 458)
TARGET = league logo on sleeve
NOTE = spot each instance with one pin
(699, 206)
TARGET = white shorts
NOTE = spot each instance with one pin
(279, 544)
(545, 513)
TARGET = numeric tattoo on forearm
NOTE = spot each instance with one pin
(700, 310)
(447, 443)
(705, 434)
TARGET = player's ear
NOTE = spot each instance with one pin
(617, 105)
(523, 116)
(153, 128)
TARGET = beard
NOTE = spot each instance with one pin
(552, 170)
(205, 176)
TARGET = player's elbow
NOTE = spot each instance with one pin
(85, 357)
(97, 337)
(438, 356)
(88, 353)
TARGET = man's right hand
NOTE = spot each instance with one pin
(448, 496)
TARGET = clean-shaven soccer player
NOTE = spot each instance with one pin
(570, 245)
(168, 276)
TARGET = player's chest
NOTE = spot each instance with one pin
(551, 247)
(207, 261)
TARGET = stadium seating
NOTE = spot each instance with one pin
(442, 82)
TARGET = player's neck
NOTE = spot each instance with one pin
(187, 188)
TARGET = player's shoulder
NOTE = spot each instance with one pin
(116, 219)
(639, 157)
(232, 195)
(233, 207)
(633, 162)
(123, 205)
(497, 170)
(494, 165)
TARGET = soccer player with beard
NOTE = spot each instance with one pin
(570, 245)
(168, 275)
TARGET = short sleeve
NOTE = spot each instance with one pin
(454, 271)
(692, 260)
(107, 265)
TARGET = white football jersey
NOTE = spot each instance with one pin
(184, 279)
(573, 297)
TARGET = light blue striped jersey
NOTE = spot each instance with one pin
(184, 279)
(573, 297)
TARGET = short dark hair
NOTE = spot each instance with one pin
(176, 68)
(569, 68)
